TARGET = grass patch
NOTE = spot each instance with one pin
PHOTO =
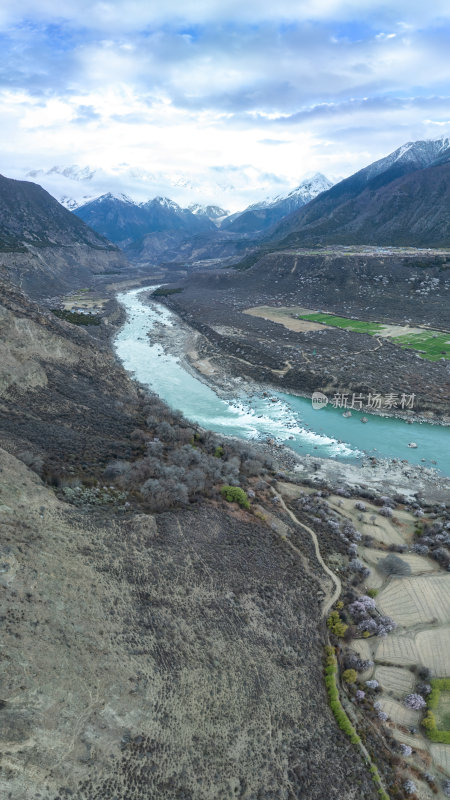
(164, 291)
(437, 719)
(343, 322)
(432, 345)
(77, 319)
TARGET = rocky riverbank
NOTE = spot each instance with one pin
(379, 475)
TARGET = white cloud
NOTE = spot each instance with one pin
(194, 93)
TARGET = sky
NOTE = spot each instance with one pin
(221, 102)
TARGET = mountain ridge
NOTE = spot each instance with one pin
(376, 204)
(261, 216)
(44, 248)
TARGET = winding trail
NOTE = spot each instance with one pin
(329, 602)
(347, 706)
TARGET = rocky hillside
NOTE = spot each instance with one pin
(402, 199)
(144, 649)
(43, 247)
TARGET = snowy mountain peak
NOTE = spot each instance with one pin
(413, 155)
(165, 202)
(311, 187)
(123, 198)
(306, 190)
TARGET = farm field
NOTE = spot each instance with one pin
(417, 600)
(395, 679)
(399, 713)
(344, 322)
(435, 345)
(413, 590)
(382, 529)
(416, 564)
(442, 712)
(440, 754)
(290, 317)
(432, 345)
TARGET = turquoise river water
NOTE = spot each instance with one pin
(290, 420)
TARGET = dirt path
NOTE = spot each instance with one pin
(329, 602)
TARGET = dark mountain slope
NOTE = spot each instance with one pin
(44, 248)
(124, 221)
(117, 218)
(412, 210)
(362, 209)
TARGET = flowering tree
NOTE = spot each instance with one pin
(414, 701)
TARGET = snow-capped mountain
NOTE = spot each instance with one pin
(76, 184)
(261, 216)
(303, 193)
(409, 156)
(214, 213)
(402, 199)
(122, 220)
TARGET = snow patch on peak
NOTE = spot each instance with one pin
(122, 198)
(212, 212)
(166, 202)
(307, 190)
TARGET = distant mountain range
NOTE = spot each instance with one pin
(123, 221)
(403, 199)
(400, 200)
(128, 223)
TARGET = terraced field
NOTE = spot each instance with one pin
(399, 713)
(417, 600)
(395, 679)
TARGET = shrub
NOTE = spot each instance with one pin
(234, 494)
(333, 697)
(429, 721)
(414, 701)
(349, 675)
(164, 291)
(75, 318)
(409, 787)
(162, 494)
(386, 511)
(336, 625)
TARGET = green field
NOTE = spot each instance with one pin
(442, 712)
(438, 702)
(342, 322)
(434, 345)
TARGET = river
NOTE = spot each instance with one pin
(290, 420)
